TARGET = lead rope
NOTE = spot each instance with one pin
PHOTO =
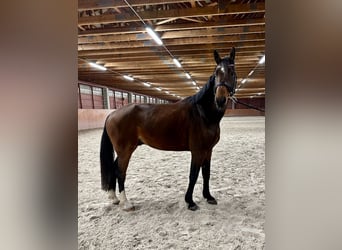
(235, 100)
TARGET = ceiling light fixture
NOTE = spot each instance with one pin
(187, 75)
(175, 61)
(95, 65)
(128, 78)
(250, 73)
(154, 35)
(193, 83)
(147, 84)
(262, 60)
(244, 80)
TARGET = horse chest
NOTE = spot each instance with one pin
(213, 135)
(205, 137)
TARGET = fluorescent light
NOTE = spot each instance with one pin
(187, 75)
(147, 84)
(154, 36)
(244, 80)
(259, 93)
(95, 65)
(262, 60)
(167, 92)
(193, 83)
(177, 62)
(128, 78)
(159, 89)
(250, 73)
(197, 87)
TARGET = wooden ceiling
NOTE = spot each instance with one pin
(113, 35)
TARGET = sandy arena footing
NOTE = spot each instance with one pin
(156, 184)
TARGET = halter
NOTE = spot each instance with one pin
(231, 90)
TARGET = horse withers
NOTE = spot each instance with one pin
(191, 124)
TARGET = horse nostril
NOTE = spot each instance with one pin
(221, 101)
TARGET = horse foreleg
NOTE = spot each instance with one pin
(112, 196)
(206, 177)
(194, 171)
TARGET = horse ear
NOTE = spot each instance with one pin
(217, 57)
(232, 54)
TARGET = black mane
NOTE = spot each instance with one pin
(206, 92)
(203, 103)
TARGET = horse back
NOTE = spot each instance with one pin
(162, 126)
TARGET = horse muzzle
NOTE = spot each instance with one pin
(230, 89)
(221, 102)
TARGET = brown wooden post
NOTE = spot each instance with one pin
(114, 100)
(79, 95)
(92, 96)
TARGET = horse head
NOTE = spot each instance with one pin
(225, 79)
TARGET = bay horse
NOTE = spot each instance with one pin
(191, 124)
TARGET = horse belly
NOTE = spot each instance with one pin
(164, 140)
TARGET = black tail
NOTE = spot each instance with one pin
(108, 177)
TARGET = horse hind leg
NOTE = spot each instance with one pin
(108, 177)
(112, 186)
(123, 160)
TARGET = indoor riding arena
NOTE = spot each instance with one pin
(164, 75)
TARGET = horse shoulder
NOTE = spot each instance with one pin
(204, 135)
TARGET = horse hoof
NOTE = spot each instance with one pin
(112, 196)
(128, 207)
(116, 202)
(212, 202)
(193, 207)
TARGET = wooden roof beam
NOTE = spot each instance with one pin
(174, 34)
(191, 19)
(167, 20)
(174, 27)
(199, 57)
(222, 9)
(176, 42)
(100, 4)
(176, 51)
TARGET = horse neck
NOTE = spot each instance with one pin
(206, 103)
(209, 112)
